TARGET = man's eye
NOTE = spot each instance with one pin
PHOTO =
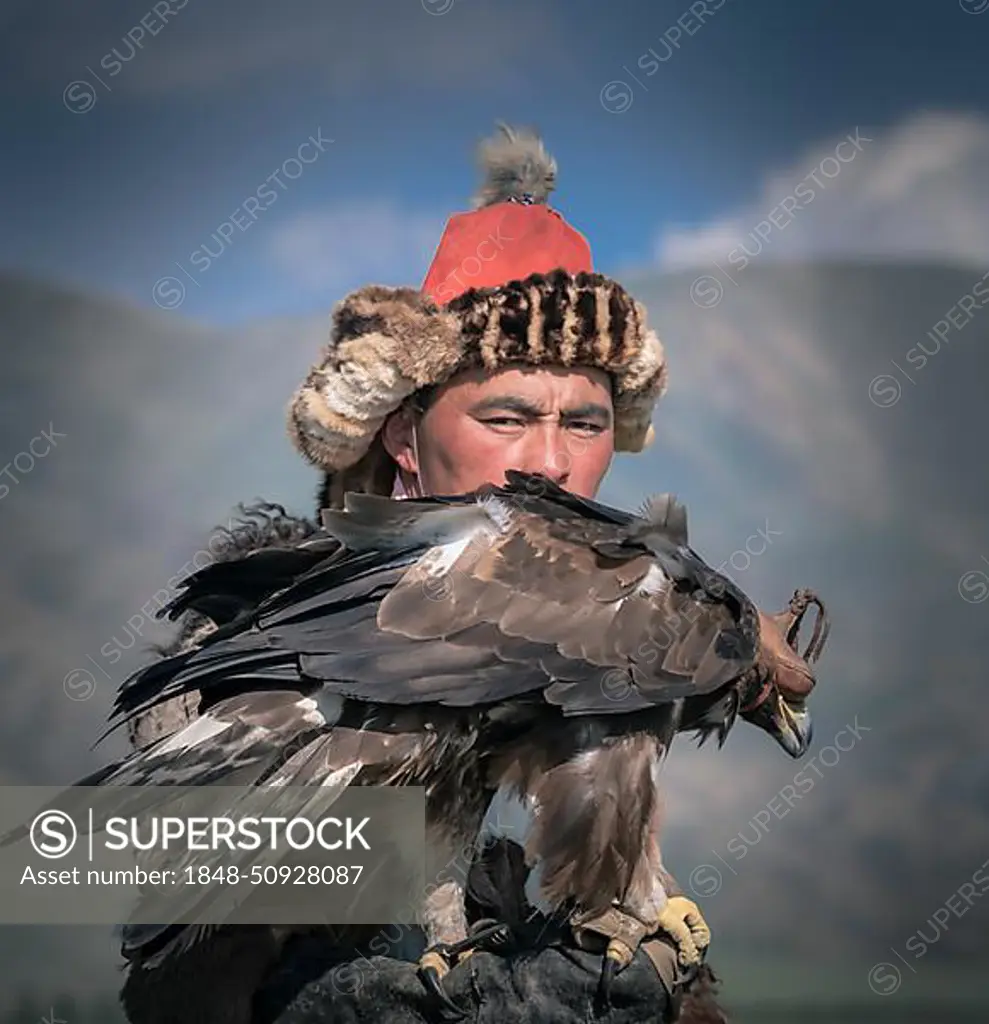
(587, 427)
(504, 421)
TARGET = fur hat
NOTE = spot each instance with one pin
(510, 282)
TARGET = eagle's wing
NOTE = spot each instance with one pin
(223, 589)
(240, 740)
(540, 607)
(479, 602)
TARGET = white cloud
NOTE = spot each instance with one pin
(349, 244)
(918, 190)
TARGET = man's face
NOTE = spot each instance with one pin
(549, 420)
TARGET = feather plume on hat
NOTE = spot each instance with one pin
(511, 282)
(514, 164)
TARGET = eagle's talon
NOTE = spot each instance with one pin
(436, 962)
(433, 968)
(609, 970)
(682, 920)
(624, 933)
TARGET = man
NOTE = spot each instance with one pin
(514, 354)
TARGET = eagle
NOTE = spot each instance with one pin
(516, 640)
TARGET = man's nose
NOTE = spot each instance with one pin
(546, 453)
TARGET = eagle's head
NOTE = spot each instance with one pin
(786, 719)
(759, 700)
(775, 696)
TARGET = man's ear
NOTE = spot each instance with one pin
(396, 436)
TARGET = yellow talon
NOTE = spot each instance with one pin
(683, 922)
(620, 952)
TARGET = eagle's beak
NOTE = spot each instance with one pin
(790, 725)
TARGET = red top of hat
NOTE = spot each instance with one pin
(500, 243)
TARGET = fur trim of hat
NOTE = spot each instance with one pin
(388, 343)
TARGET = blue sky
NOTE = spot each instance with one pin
(218, 95)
